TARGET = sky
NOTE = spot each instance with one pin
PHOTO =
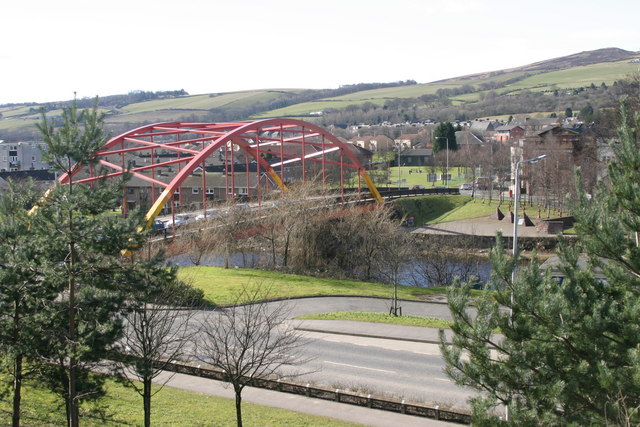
(51, 49)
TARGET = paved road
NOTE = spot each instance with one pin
(401, 362)
(401, 370)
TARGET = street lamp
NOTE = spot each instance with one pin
(446, 174)
(399, 148)
(516, 195)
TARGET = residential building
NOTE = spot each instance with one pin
(42, 178)
(509, 133)
(374, 143)
(22, 156)
(416, 156)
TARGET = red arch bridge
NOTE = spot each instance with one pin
(169, 163)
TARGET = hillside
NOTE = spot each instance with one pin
(581, 59)
(509, 91)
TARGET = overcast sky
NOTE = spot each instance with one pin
(52, 48)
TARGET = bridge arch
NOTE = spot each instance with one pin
(268, 146)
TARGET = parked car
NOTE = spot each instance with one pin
(418, 187)
(466, 186)
(211, 213)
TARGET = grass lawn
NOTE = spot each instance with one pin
(436, 209)
(362, 316)
(220, 285)
(170, 407)
(418, 175)
(431, 209)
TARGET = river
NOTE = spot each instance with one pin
(423, 272)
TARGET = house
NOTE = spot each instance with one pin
(509, 133)
(43, 179)
(467, 139)
(484, 128)
(410, 140)
(533, 126)
(373, 143)
(565, 137)
(416, 156)
(196, 190)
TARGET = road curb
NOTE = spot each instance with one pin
(363, 335)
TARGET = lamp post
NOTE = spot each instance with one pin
(516, 195)
(446, 174)
(399, 148)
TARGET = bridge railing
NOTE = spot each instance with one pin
(396, 193)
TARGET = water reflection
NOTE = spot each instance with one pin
(426, 271)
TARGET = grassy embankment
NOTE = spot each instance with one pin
(362, 316)
(436, 209)
(220, 285)
(171, 407)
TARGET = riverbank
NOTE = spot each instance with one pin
(480, 234)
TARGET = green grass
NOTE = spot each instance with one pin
(418, 175)
(474, 208)
(607, 72)
(431, 209)
(363, 316)
(17, 123)
(305, 108)
(156, 116)
(437, 209)
(220, 285)
(8, 112)
(204, 102)
(170, 407)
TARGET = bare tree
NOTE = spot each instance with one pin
(443, 261)
(369, 229)
(224, 233)
(397, 251)
(250, 341)
(285, 222)
(196, 241)
(156, 332)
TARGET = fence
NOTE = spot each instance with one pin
(335, 395)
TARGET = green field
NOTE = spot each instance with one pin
(16, 123)
(220, 285)
(305, 108)
(202, 102)
(170, 407)
(575, 77)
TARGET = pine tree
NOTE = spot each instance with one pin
(568, 352)
(82, 258)
(444, 137)
(22, 294)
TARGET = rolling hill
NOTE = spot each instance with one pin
(572, 72)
